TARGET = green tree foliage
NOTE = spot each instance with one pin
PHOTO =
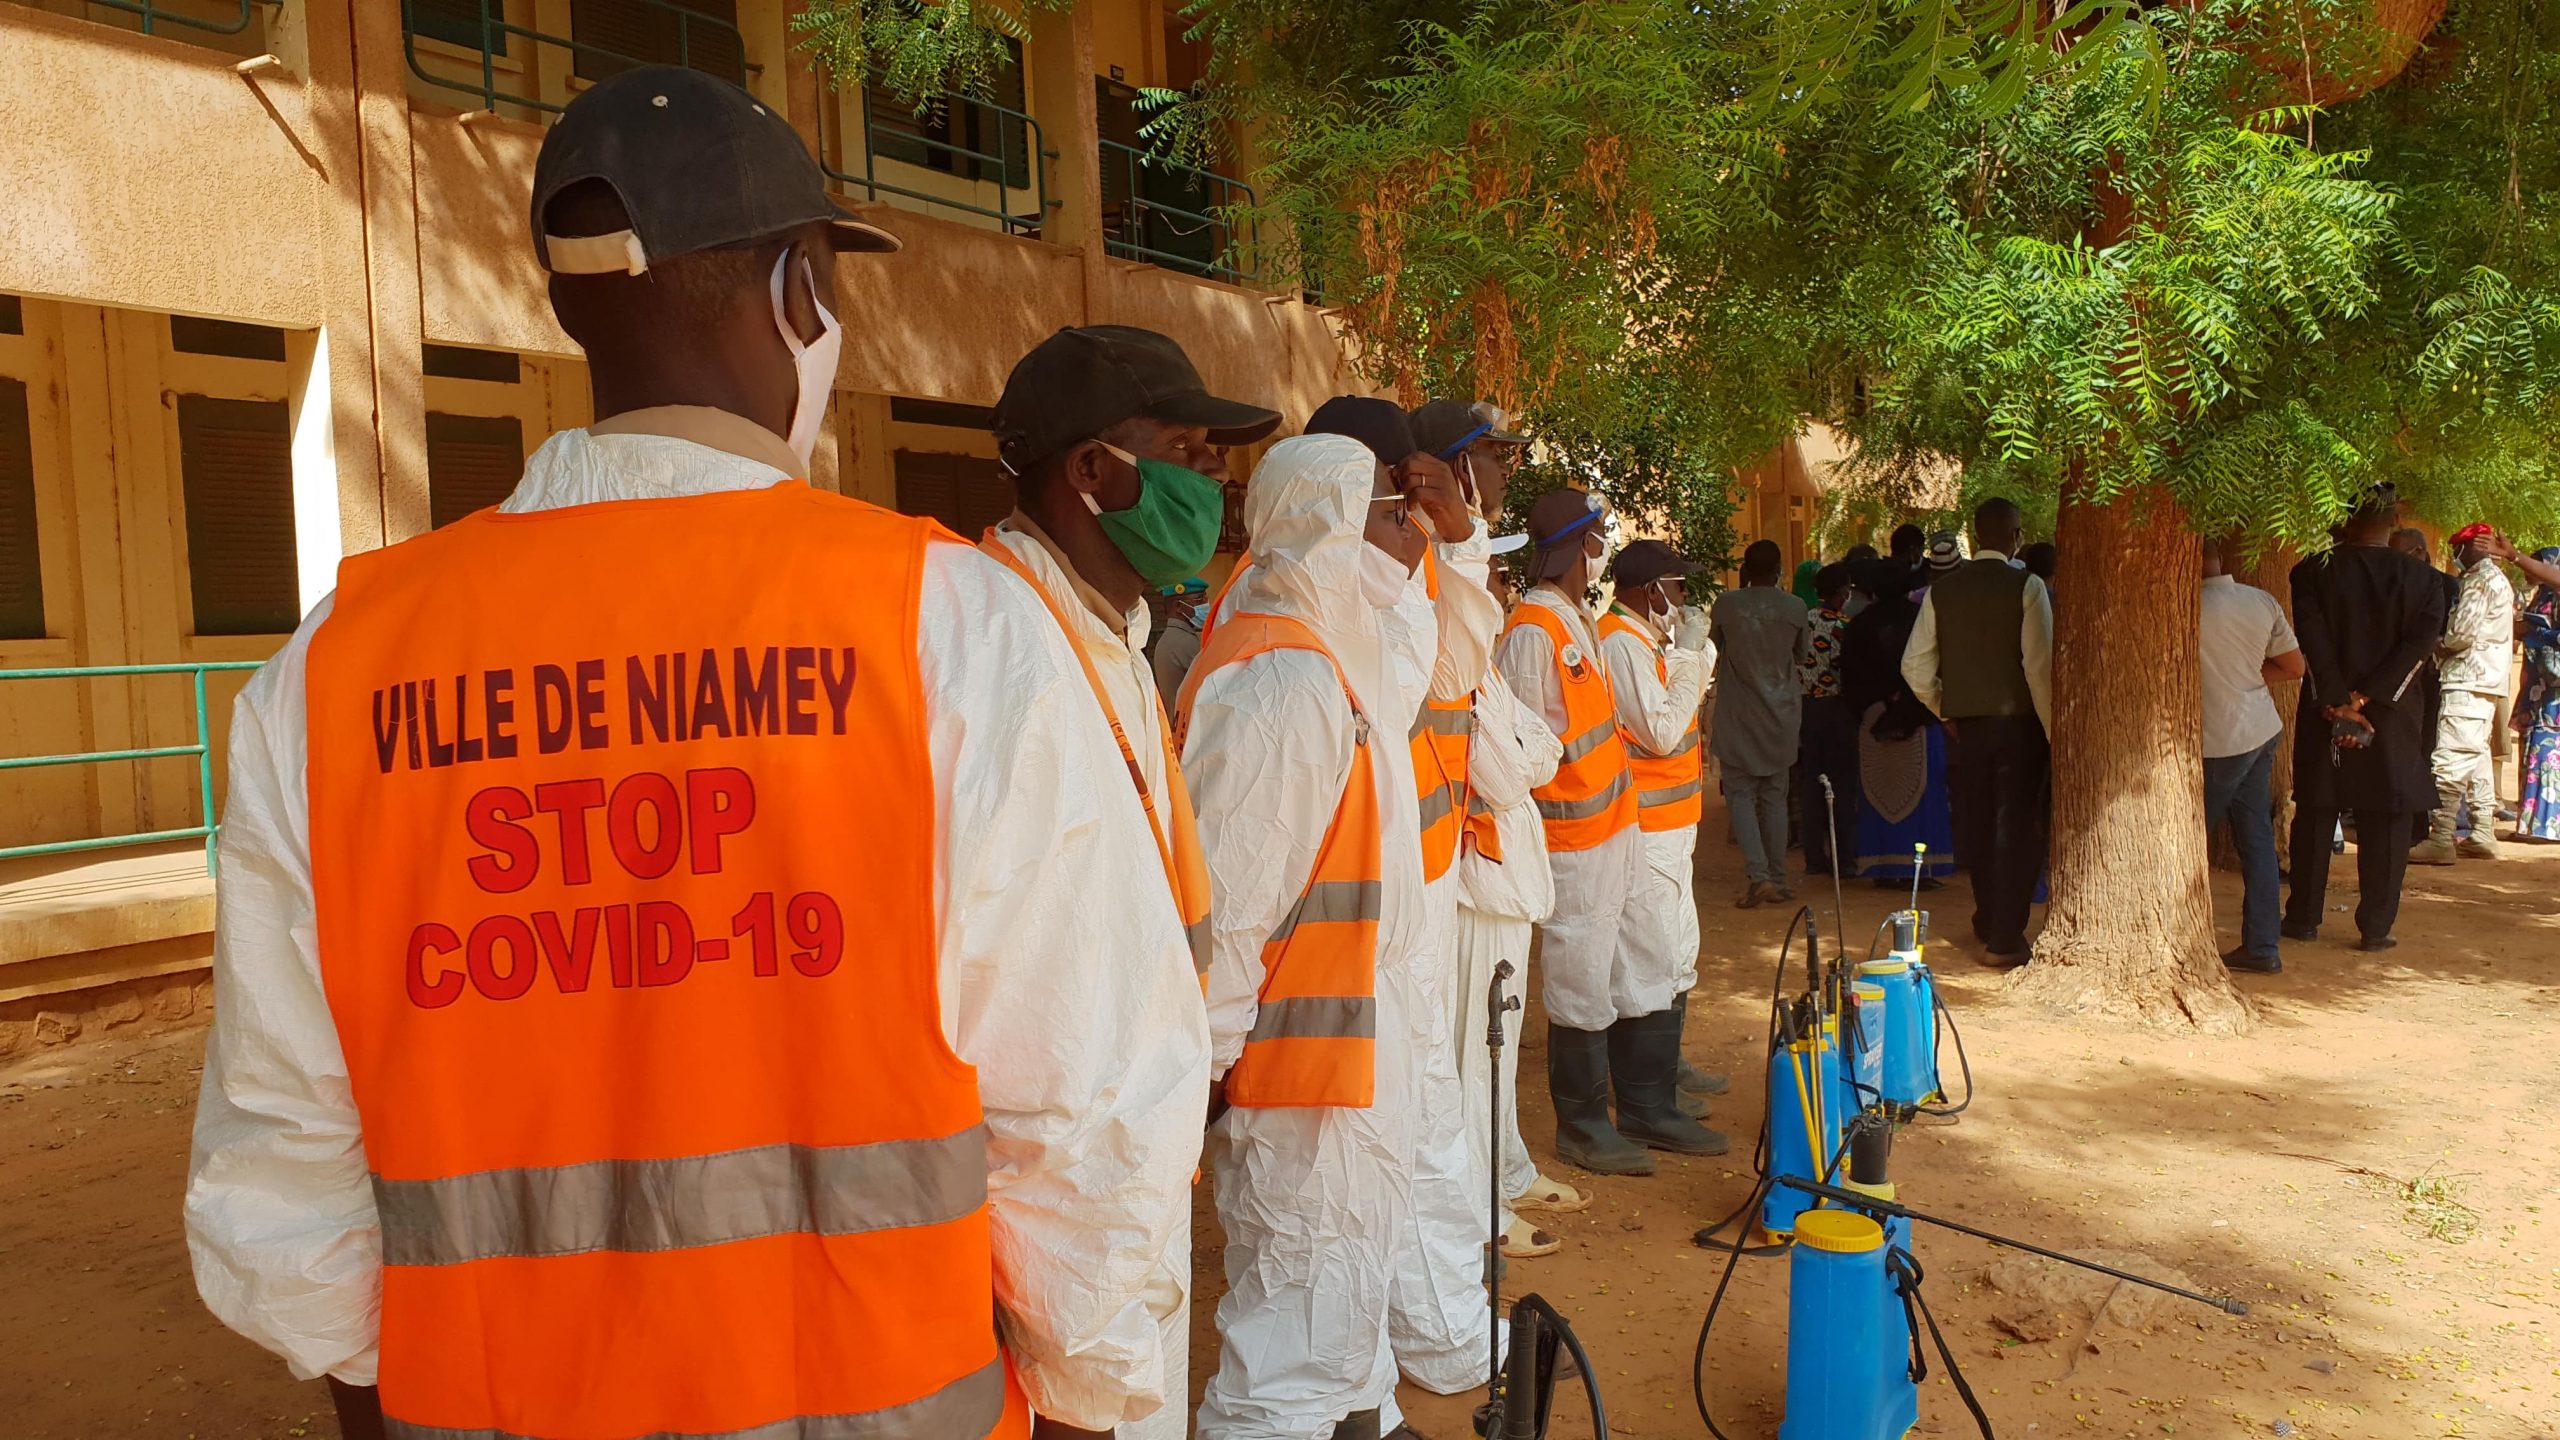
(1668, 230)
(2028, 240)
(917, 50)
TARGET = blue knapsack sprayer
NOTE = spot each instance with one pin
(1851, 1058)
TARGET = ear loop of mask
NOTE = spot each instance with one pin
(1095, 506)
(813, 362)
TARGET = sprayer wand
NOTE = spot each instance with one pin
(1497, 1005)
(1857, 1200)
(1516, 1402)
(1839, 905)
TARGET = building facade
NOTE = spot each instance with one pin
(266, 300)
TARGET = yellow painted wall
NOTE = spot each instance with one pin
(1129, 34)
(337, 195)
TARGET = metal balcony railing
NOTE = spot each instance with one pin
(154, 16)
(1174, 215)
(647, 32)
(989, 149)
(201, 751)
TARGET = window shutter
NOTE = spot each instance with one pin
(967, 493)
(471, 24)
(235, 461)
(657, 32)
(21, 572)
(473, 461)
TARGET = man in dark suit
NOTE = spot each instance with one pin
(2369, 617)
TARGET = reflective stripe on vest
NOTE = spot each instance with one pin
(625, 916)
(1591, 797)
(1186, 870)
(1441, 734)
(640, 1205)
(1483, 828)
(1670, 789)
(1314, 1036)
(974, 1404)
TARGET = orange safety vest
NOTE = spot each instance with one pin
(1669, 788)
(1593, 794)
(1441, 734)
(1186, 870)
(622, 830)
(1315, 1025)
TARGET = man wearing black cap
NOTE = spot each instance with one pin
(1440, 635)
(636, 1076)
(1478, 441)
(1118, 453)
(1659, 657)
(1506, 887)
(1550, 656)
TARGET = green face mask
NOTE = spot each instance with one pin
(1171, 533)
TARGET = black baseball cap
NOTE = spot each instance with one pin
(1445, 427)
(1646, 561)
(1379, 424)
(698, 164)
(1087, 378)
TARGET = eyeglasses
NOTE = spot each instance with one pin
(1398, 513)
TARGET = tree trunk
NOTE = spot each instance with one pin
(2130, 932)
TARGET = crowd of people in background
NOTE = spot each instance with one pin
(1932, 752)
(1888, 715)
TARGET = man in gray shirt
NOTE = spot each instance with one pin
(1761, 633)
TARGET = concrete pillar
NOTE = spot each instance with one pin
(765, 26)
(389, 169)
(333, 382)
(548, 67)
(319, 538)
(801, 94)
(1059, 61)
(864, 469)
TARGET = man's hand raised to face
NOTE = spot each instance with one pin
(1430, 486)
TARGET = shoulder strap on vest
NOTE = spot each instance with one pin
(1003, 553)
(1243, 636)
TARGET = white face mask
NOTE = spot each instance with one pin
(814, 360)
(1382, 578)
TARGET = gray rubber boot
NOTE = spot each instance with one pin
(1578, 1082)
(1358, 1425)
(1644, 1059)
(1694, 1081)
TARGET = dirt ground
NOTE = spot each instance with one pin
(2274, 1167)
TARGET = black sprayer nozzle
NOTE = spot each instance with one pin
(1870, 1150)
(1906, 930)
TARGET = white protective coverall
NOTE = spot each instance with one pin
(1315, 1201)
(1437, 1318)
(1116, 643)
(1580, 962)
(1658, 942)
(1513, 754)
(1083, 1019)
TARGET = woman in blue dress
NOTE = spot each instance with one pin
(1902, 749)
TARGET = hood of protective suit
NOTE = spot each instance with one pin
(1304, 513)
